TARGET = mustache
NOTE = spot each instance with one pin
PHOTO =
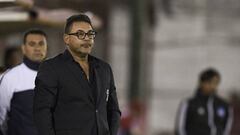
(38, 53)
(86, 44)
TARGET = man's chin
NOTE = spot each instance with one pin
(80, 52)
(38, 59)
(84, 52)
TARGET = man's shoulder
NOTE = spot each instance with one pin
(14, 70)
(60, 58)
(190, 101)
(12, 73)
(100, 62)
(53, 60)
(221, 101)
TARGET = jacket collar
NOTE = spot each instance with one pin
(203, 96)
(31, 64)
(91, 59)
(74, 69)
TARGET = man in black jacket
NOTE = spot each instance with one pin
(205, 113)
(75, 92)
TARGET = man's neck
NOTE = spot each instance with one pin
(34, 65)
(80, 58)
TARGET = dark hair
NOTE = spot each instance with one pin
(8, 55)
(208, 74)
(2, 69)
(33, 31)
(76, 18)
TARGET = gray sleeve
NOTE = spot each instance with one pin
(181, 118)
(6, 93)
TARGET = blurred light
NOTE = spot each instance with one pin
(9, 16)
(96, 20)
(7, 0)
(58, 17)
(22, 3)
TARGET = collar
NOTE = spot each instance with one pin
(203, 96)
(68, 57)
(31, 64)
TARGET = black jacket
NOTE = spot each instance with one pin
(204, 115)
(64, 103)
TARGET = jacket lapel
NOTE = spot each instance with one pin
(99, 84)
(99, 77)
(76, 72)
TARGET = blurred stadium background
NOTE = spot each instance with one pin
(156, 48)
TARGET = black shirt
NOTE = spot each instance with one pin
(92, 79)
(91, 82)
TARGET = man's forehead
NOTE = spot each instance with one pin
(35, 37)
(84, 26)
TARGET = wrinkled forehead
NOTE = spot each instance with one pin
(81, 26)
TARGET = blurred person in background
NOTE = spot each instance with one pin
(235, 102)
(16, 88)
(205, 113)
(133, 120)
(75, 92)
(2, 69)
(12, 58)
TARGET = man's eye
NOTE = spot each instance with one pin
(91, 32)
(41, 43)
(31, 43)
(81, 33)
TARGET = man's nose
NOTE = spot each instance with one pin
(86, 37)
(37, 48)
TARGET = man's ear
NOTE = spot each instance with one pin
(66, 38)
(23, 48)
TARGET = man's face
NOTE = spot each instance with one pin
(210, 86)
(78, 45)
(35, 47)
